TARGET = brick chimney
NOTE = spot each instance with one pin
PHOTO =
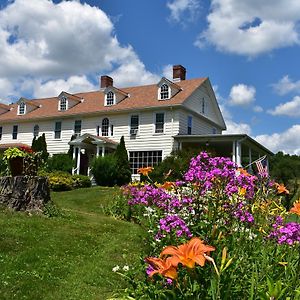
(106, 81)
(178, 73)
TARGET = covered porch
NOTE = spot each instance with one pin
(241, 148)
(86, 147)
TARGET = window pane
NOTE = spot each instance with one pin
(139, 159)
(36, 130)
(159, 123)
(105, 126)
(77, 127)
(57, 131)
(15, 132)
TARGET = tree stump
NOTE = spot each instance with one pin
(25, 193)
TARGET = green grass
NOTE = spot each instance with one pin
(69, 256)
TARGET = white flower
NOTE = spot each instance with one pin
(126, 268)
(116, 268)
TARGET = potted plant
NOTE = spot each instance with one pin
(15, 157)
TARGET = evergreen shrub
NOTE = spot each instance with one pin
(104, 170)
(60, 162)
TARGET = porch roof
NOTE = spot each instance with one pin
(218, 139)
(88, 138)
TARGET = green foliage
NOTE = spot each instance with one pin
(64, 181)
(70, 151)
(60, 162)
(173, 167)
(285, 168)
(123, 167)
(60, 181)
(40, 145)
(81, 181)
(69, 256)
(13, 153)
(104, 170)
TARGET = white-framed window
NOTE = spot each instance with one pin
(159, 122)
(15, 132)
(105, 127)
(164, 92)
(134, 124)
(140, 159)
(36, 130)
(57, 130)
(189, 124)
(77, 127)
(110, 98)
(214, 130)
(22, 108)
(63, 103)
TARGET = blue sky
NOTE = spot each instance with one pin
(248, 48)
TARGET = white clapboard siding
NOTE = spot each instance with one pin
(194, 102)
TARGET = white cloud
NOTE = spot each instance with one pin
(285, 85)
(234, 127)
(291, 108)
(73, 41)
(242, 95)
(73, 84)
(251, 27)
(183, 11)
(258, 109)
(7, 90)
(287, 141)
(168, 72)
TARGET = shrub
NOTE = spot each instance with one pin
(123, 167)
(60, 181)
(81, 181)
(173, 167)
(60, 162)
(104, 170)
(40, 145)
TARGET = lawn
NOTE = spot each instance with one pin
(69, 256)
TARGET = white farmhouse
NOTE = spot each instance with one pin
(154, 120)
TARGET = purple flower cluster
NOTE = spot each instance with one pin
(208, 172)
(242, 214)
(172, 223)
(159, 197)
(288, 233)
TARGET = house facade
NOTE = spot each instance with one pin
(152, 118)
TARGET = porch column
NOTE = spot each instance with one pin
(97, 150)
(74, 152)
(238, 153)
(250, 160)
(78, 160)
(103, 151)
(234, 151)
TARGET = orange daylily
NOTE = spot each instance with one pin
(194, 251)
(296, 208)
(281, 189)
(168, 185)
(242, 191)
(145, 171)
(163, 267)
(242, 171)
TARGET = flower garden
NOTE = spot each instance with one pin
(219, 233)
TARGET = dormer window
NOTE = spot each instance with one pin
(22, 108)
(164, 92)
(110, 98)
(63, 103)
